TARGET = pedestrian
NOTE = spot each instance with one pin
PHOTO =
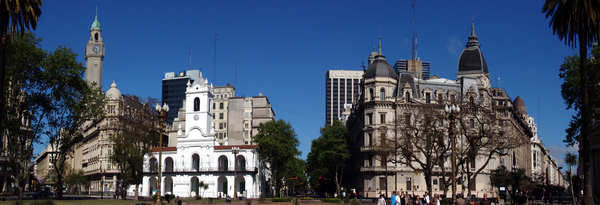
(397, 199)
(437, 199)
(393, 198)
(360, 197)
(178, 201)
(381, 200)
(485, 200)
(402, 199)
(426, 198)
(460, 200)
(417, 200)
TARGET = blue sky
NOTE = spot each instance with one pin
(282, 49)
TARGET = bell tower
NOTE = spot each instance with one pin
(94, 54)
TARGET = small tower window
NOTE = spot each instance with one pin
(96, 37)
(372, 94)
(407, 95)
(382, 94)
(196, 104)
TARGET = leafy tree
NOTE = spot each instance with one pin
(136, 132)
(77, 180)
(513, 180)
(328, 154)
(277, 144)
(295, 174)
(571, 160)
(578, 21)
(15, 16)
(47, 96)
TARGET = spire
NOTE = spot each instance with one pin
(379, 46)
(96, 24)
(473, 40)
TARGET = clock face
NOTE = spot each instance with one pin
(96, 48)
(196, 117)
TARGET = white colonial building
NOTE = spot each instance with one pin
(197, 157)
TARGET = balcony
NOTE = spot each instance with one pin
(189, 170)
(367, 148)
(379, 169)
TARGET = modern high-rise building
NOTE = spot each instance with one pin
(173, 90)
(341, 90)
(421, 69)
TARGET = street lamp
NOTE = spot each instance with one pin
(452, 113)
(235, 151)
(162, 115)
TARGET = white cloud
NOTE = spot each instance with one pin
(454, 46)
(559, 154)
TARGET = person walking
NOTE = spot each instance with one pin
(381, 200)
(393, 198)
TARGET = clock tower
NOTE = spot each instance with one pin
(94, 54)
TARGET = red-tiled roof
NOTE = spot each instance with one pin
(240, 146)
(164, 149)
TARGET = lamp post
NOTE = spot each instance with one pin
(102, 183)
(452, 113)
(235, 151)
(162, 115)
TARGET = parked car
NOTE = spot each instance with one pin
(45, 194)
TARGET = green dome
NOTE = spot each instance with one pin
(96, 24)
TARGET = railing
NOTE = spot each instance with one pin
(203, 169)
(367, 148)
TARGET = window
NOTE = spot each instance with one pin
(382, 94)
(248, 115)
(221, 106)
(109, 150)
(370, 139)
(534, 159)
(427, 98)
(248, 103)
(382, 118)
(111, 109)
(501, 161)
(221, 125)
(246, 134)
(246, 124)
(440, 121)
(435, 181)
(214, 104)
(372, 94)
(407, 94)
(196, 104)
(370, 119)
(440, 98)
(220, 116)
(452, 98)
(224, 125)
(408, 183)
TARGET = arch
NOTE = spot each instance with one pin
(153, 163)
(196, 104)
(168, 185)
(382, 94)
(195, 162)
(223, 163)
(240, 163)
(168, 164)
(222, 186)
(153, 186)
(96, 37)
(195, 186)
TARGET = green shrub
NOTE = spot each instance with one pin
(285, 199)
(347, 199)
(306, 198)
(261, 198)
(354, 202)
(169, 197)
(18, 202)
(331, 200)
(44, 202)
(154, 197)
(444, 201)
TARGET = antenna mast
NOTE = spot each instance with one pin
(215, 63)
(190, 57)
(414, 49)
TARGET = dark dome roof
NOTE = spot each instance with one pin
(520, 105)
(380, 68)
(471, 59)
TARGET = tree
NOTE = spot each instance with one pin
(136, 131)
(295, 174)
(46, 95)
(16, 15)
(512, 180)
(571, 160)
(277, 144)
(581, 19)
(422, 144)
(328, 153)
(484, 132)
(77, 180)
